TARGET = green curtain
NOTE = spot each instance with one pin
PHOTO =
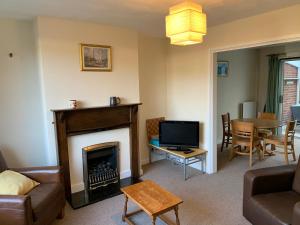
(275, 80)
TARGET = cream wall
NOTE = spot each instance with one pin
(191, 85)
(240, 85)
(58, 43)
(152, 77)
(22, 139)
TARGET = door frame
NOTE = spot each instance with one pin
(213, 87)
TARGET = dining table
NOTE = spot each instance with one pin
(263, 124)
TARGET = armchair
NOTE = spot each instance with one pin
(271, 195)
(41, 205)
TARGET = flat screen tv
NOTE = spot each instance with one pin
(179, 135)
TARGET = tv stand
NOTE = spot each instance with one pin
(180, 149)
(186, 159)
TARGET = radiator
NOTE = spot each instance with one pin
(248, 110)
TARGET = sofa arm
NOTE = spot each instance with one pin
(49, 174)
(296, 214)
(268, 180)
(15, 210)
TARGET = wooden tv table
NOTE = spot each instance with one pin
(198, 155)
(152, 199)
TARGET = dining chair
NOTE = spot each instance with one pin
(283, 141)
(243, 135)
(264, 133)
(227, 135)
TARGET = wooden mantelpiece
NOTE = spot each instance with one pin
(69, 122)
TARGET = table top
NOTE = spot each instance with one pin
(262, 123)
(181, 154)
(152, 198)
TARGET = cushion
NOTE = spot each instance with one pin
(296, 183)
(44, 199)
(13, 183)
(277, 208)
(154, 141)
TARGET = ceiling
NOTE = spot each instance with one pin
(143, 15)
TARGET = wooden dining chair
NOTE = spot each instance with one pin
(227, 135)
(243, 135)
(284, 141)
(264, 133)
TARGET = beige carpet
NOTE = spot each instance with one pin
(208, 199)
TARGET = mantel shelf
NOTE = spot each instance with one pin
(94, 107)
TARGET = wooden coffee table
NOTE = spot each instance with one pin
(152, 199)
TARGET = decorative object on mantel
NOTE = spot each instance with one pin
(114, 101)
(73, 104)
(95, 57)
(186, 24)
(223, 67)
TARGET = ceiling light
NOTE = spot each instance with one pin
(186, 24)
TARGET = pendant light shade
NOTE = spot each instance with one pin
(186, 24)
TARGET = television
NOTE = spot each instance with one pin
(179, 135)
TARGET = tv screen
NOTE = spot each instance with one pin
(179, 134)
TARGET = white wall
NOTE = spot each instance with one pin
(289, 50)
(240, 85)
(58, 42)
(191, 88)
(152, 77)
(21, 120)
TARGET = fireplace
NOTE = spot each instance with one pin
(101, 169)
(72, 122)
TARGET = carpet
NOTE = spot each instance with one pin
(208, 199)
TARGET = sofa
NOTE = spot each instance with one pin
(272, 195)
(42, 205)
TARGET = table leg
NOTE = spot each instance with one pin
(125, 208)
(153, 220)
(184, 168)
(176, 214)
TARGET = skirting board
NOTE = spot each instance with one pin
(80, 186)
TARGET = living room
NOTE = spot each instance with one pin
(42, 75)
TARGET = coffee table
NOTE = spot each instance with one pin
(152, 199)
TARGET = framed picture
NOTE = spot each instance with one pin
(95, 57)
(223, 67)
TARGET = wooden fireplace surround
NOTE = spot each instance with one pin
(70, 122)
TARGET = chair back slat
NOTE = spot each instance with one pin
(243, 130)
(266, 116)
(290, 130)
(152, 127)
(226, 122)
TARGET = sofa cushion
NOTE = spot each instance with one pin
(14, 183)
(296, 183)
(43, 196)
(277, 208)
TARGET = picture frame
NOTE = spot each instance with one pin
(95, 57)
(223, 68)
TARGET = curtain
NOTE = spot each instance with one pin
(274, 90)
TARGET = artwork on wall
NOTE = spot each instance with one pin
(223, 67)
(95, 57)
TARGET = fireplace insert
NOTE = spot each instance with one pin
(101, 169)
